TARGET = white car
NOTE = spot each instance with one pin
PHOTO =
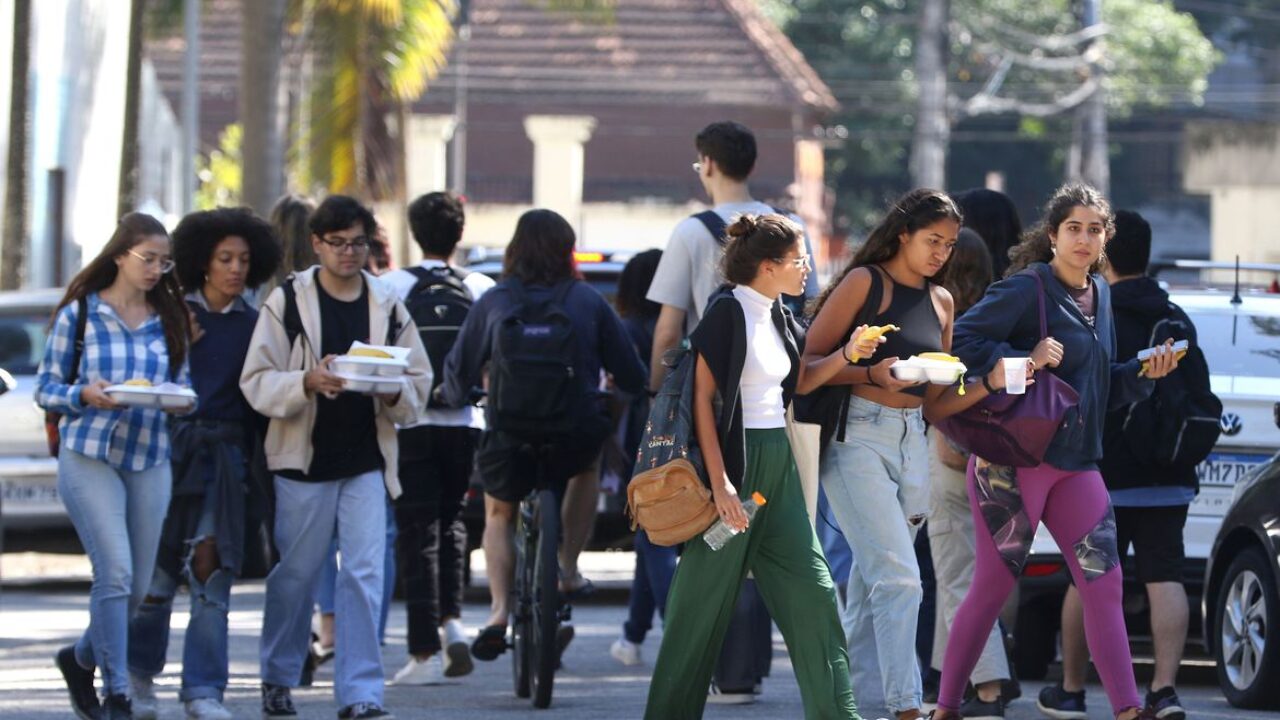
(1241, 342)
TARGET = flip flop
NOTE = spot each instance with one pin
(490, 643)
(584, 590)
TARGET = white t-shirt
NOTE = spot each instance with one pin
(767, 363)
(401, 282)
(690, 267)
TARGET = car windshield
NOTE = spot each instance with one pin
(22, 334)
(1238, 343)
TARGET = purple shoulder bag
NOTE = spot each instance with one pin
(1015, 429)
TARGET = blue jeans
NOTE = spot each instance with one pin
(876, 482)
(118, 515)
(329, 575)
(308, 514)
(655, 566)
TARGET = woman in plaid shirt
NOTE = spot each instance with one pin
(113, 465)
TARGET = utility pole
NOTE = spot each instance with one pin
(190, 102)
(1095, 165)
(458, 150)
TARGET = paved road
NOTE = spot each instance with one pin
(35, 621)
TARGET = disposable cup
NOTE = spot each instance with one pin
(1015, 375)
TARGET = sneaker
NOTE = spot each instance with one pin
(420, 672)
(145, 705)
(277, 702)
(1059, 704)
(457, 652)
(1164, 704)
(1010, 690)
(79, 680)
(117, 707)
(929, 698)
(976, 709)
(207, 709)
(724, 696)
(625, 652)
(360, 711)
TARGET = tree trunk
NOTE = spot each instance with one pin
(1095, 165)
(13, 247)
(127, 193)
(262, 53)
(932, 128)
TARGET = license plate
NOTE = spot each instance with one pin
(27, 496)
(1226, 469)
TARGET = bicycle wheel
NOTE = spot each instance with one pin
(546, 599)
(522, 600)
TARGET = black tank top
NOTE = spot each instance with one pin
(912, 310)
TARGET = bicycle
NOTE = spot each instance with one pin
(537, 611)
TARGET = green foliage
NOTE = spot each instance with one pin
(220, 173)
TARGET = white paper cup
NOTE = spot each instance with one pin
(1015, 375)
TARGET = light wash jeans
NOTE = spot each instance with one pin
(205, 645)
(118, 515)
(951, 538)
(329, 576)
(307, 516)
(875, 481)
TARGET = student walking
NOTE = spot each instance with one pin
(436, 453)
(1061, 257)
(334, 455)
(1151, 497)
(121, 320)
(748, 349)
(875, 478)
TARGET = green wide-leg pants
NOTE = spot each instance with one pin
(781, 550)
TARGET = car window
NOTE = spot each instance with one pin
(1239, 343)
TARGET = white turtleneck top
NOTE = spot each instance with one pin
(767, 363)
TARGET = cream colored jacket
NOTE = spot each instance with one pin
(272, 376)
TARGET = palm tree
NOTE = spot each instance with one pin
(13, 246)
(262, 54)
(127, 193)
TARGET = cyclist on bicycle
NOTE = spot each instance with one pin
(544, 336)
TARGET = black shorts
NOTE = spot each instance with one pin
(509, 472)
(1156, 535)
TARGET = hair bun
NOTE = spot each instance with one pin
(743, 225)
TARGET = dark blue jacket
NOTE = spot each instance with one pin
(1006, 323)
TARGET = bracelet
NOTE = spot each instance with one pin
(872, 381)
(844, 354)
(986, 383)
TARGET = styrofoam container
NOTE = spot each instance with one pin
(918, 369)
(167, 396)
(393, 366)
(371, 384)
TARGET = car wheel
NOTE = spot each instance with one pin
(1035, 641)
(1247, 633)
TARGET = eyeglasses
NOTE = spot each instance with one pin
(339, 244)
(799, 262)
(697, 167)
(166, 264)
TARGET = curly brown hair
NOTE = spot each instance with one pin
(1036, 245)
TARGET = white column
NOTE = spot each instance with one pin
(426, 151)
(558, 161)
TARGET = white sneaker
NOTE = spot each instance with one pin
(145, 705)
(207, 709)
(716, 696)
(457, 649)
(420, 672)
(625, 651)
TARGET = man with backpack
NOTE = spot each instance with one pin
(436, 452)
(333, 454)
(1150, 453)
(687, 276)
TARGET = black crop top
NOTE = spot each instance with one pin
(912, 310)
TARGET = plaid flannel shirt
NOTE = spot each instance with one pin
(131, 438)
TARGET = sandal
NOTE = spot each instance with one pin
(584, 590)
(490, 643)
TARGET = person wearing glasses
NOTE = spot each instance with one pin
(113, 460)
(333, 454)
(688, 274)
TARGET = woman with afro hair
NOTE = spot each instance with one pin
(219, 255)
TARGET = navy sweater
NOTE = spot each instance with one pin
(216, 361)
(1006, 323)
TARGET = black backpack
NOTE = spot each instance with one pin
(438, 304)
(536, 395)
(668, 432)
(1179, 424)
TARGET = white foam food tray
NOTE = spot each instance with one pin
(165, 395)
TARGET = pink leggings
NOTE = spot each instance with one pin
(1076, 508)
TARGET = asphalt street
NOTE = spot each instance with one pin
(35, 620)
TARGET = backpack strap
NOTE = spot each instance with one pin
(77, 346)
(292, 320)
(867, 313)
(714, 224)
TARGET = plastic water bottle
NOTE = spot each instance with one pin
(720, 533)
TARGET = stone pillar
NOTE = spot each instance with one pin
(558, 161)
(426, 152)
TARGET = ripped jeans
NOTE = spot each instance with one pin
(876, 483)
(204, 650)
